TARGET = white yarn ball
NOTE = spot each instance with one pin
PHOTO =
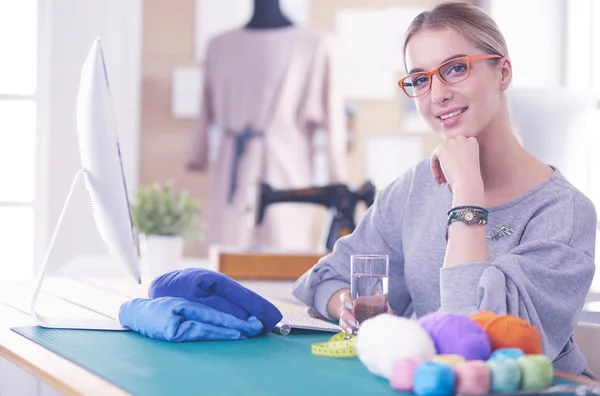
(385, 339)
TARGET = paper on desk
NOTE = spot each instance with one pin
(214, 17)
(186, 92)
(390, 156)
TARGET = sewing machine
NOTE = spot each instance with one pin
(339, 198)
(254, 262)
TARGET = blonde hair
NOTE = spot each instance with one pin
(469, 21)
(472, 23)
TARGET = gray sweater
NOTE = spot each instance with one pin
(541, 273)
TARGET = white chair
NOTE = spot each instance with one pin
(587, 338)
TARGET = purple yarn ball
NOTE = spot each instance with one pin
(458, 335)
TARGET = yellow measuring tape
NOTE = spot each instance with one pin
(340, 345)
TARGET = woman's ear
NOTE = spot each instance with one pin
(505, 74)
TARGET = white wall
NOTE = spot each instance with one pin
(540, 43)
(71, 26)
(556, 126)
(535, 32)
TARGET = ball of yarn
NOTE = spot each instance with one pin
(403, 374)
(450, 360)
(505, 374)
(457, 335)
(537, 372)
(508, 331)
(434, 379)
(472, 377)
(509, 353)
(385, 339)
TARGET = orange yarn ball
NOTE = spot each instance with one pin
(509, 331)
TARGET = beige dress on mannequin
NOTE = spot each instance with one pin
(276, 87)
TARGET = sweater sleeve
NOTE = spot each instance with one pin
(371, 236)
(544, 280)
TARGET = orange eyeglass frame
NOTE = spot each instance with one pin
(468, 60)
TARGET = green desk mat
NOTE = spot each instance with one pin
(269, 365)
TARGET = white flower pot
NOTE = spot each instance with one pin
(159, 254)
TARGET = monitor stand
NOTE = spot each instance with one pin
(66, 322)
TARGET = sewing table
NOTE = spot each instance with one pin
(83, 362)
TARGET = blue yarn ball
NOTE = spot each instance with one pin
(434, 379)
(509, 353)
(505, 374)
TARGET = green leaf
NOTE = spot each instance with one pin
(159, 210)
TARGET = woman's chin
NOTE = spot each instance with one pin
(448, 133)
(452, 133)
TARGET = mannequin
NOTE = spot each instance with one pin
(268, 15)
(268, 87)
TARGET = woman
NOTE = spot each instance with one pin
(531, 254)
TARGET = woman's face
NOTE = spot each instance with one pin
(465, 108)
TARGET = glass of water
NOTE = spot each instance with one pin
(369, 285)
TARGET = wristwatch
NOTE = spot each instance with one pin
(468, 215)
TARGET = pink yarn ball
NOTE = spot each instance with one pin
(472, 378)
(455, 334)
(403, 374)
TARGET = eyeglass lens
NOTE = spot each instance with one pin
(452, 72)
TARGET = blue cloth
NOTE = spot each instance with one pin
(217, 291)
(177, 320)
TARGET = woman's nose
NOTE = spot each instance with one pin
(440, 92)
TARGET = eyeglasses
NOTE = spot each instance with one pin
(449, 72)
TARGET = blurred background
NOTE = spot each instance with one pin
(159, 66)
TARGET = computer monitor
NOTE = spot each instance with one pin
(102, 171)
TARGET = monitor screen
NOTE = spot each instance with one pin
(102, 164)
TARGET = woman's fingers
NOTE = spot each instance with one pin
(347, 321)
(436, 168)
(346, 327)
(346, 300)
(438, 174)
(434, 163)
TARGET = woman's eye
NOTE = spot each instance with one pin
(458, 68)
(420, 81)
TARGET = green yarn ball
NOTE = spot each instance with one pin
(537, 372)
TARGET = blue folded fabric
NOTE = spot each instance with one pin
(217, 291)
(176, 319)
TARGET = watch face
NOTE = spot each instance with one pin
(468, 216)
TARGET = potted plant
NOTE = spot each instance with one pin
(164, 220)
